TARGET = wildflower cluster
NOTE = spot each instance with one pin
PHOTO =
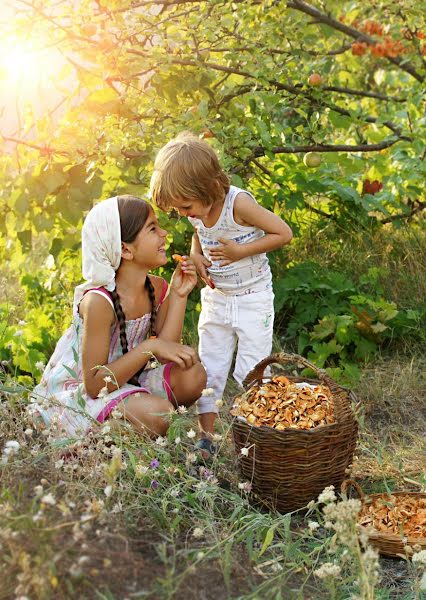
(10, 448)
(349, 544)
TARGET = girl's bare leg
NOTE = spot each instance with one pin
(187, 384)
(147, 413)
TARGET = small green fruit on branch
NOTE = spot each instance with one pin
(312, 159)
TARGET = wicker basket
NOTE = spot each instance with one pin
(386, 543)
(290, 468)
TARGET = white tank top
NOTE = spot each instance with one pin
(247, 275)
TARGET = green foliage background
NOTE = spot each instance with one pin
(137, 73)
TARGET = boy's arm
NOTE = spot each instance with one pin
(195, 244)
(200, 261)
(248, 212)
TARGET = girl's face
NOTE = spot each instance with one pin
(147, 249)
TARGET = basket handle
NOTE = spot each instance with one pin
(348, 483)
(283, 358)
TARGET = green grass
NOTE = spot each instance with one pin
(197, 534)
(108, 534)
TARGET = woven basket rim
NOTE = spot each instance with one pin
(294, 430)
(392, 537)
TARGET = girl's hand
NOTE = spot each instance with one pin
(184, 278)
(229, 252)
(201, 263)
(165, 351)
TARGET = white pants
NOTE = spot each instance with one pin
(224, 321)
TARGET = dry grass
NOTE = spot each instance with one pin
(125, 546)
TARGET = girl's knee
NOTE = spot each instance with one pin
(200, 376)
(195, 380)
(159, 426)
(148, 414)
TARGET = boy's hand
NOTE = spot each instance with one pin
(228, 253)
(201, 263)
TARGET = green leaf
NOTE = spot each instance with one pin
(25, 238)
(267, 541)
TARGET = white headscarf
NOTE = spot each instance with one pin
(101, 248)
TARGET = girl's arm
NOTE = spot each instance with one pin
(171, 313)
(98, 317)
(248, 212)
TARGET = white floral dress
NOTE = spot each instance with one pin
(61, 399)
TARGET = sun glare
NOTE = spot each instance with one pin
(21, 61)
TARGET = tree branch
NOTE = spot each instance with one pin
(306, 8)
(367, 94)
(44, 150)
(414, 210)
(260, 151)
(296, 90)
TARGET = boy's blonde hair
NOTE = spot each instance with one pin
(187, 168)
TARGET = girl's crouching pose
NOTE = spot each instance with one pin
(123, 318)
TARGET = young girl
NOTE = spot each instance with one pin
(232, 235)
(123, 317)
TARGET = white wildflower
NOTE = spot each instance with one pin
(219, 403)
(191, 457)
(19, 333)
(313, 525)
(327, 570)
(207, 392)
(419, 559)
(103, 392)
(48, 499)
(202, 486)
(107, 379)
(177, 441)
(191, 434)
(141, 470)
(40, 365)
(245, 486)
(22, 322)
(106, 429)
(116, 414)
(327, 495)
(108, 491)
(174, 493)
(161, 441)
(198, 533)
(217, 437)
(245, 451)
(38, 490)
(29, 432)
(182, 410)
(11, 447)
(59, 463)
(200, 555)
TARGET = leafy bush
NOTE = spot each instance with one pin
(27, 343)
(336, 323)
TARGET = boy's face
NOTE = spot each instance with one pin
(192, 208)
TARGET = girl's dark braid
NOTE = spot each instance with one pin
(151, 294)
(123, 337)
(122, 321)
